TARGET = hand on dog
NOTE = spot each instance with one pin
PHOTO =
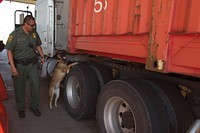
(42, 59)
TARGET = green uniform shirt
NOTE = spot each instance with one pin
(23, 45)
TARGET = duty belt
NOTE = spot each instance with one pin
(25, 62)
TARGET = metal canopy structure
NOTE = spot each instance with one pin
(23, 1)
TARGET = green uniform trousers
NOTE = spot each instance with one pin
(27, 73)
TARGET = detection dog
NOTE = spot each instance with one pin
(59, 73)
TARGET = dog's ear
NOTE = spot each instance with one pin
(59, 57)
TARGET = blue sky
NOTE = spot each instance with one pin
(7, 10)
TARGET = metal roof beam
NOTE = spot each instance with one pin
(23, 1)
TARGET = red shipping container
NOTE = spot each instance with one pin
(163, 35)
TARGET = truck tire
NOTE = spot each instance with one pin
(130, 107)
(179, 114)
(103, 74)
(81, 92)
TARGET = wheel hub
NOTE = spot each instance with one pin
(73, 92)
(127, 120)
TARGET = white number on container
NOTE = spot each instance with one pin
(100, 5)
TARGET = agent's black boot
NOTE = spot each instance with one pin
(36, 112)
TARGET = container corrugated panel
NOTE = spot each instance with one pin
(163, 34)
(187, 16)
(111, 17)
(174, 44)
(112, 28)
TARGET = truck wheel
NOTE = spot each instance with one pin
(179, 114)
(130, 107)
(103, 73)
(81, 92)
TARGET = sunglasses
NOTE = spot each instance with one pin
(32, 25)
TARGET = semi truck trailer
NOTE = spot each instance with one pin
(139, 68)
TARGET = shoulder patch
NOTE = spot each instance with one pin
(34, 35)
(10, 38)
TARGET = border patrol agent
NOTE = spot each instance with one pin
(21, 46)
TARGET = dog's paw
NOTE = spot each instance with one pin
(50, 106)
